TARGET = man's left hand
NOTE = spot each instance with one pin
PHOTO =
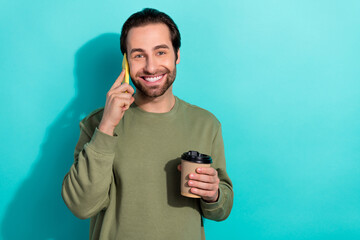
(205, 183)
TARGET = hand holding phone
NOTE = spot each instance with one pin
(118, 100)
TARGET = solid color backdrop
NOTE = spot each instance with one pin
(283, 77)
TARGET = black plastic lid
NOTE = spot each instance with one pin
(196, 157)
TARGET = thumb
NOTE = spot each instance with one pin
(179, 167)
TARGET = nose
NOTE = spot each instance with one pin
(151, 65)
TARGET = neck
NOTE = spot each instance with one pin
(161, 104)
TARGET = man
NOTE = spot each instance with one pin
(125, 176)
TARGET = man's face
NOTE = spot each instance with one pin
(151, 59)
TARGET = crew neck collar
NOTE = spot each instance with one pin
(170, 113)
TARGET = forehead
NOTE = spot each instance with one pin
(148, 36)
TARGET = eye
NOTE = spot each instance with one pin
(161, 53)
(138, 56)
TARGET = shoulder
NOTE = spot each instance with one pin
(199, 113)
(92, 121)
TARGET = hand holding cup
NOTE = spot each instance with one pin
(198, 179)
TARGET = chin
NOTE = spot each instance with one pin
(154, 91)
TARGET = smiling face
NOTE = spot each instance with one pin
(152, 59)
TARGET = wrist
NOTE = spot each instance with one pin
(213, 199)
(109, 130)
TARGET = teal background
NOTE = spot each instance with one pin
(283, 77)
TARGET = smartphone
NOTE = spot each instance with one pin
(125, 65)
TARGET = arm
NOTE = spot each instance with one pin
(86, 186)
(220, 209)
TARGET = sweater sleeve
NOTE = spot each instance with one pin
(219, 210)
(85, 188)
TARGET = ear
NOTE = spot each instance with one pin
(178, 57)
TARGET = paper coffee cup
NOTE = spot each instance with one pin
(190, 161)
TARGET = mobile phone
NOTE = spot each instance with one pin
(125, 65)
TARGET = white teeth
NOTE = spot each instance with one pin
(153, 79)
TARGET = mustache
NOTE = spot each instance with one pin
(153, 73)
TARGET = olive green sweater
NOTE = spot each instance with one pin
(129, 185)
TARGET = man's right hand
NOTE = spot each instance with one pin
(118, 100)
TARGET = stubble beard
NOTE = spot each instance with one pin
(156, 91)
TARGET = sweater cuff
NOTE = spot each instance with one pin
(102, 142)
(206, 206)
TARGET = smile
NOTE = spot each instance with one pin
(154, 78)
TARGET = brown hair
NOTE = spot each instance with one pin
(148, 16)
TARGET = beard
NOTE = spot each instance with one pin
(156, 91)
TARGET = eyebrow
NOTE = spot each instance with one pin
(155, 48)
(136, 50)
(161, 46)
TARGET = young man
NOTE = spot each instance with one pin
(126, 174)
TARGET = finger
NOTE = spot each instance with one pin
(129, 88)
(121, 100)
(118, 80)
(203, 185)
(207, 170)
(123, 88)
(203, 178)
(128, 103)
(203, 193)
(119, 95)
(179, 167)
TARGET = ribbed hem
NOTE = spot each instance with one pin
(206, 206)
(102, 142)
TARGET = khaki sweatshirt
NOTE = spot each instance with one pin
(129, 185)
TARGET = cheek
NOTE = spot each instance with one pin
(134, 68)
(169, 63)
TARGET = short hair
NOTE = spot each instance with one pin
(148, 16)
